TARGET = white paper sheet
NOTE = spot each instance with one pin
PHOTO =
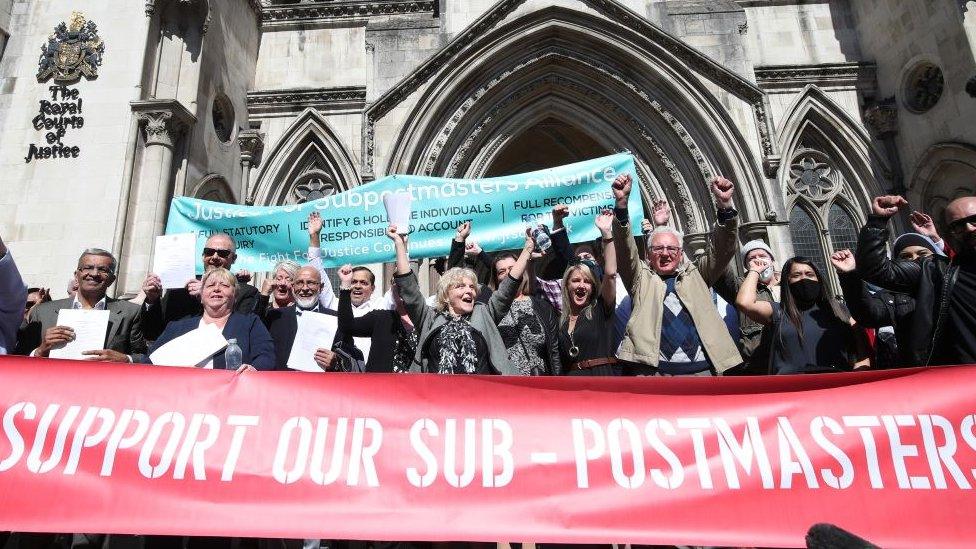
(193, 348)
(398, 210)
(91, 328)
(315, 331)
(174, 259)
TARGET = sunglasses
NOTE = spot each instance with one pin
(959, 225)
(223, 254)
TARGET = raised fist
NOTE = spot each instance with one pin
(888, 205)
(722, 189)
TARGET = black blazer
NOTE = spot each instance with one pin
(252, 337)
(283, 325)
(379, 324)
(177, 303)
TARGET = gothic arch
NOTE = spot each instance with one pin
(816, 118)
(830, 172)
(629, 92)
(215, 188)
(945, 172)
(310, 155)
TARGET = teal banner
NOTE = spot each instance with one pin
(355, 221)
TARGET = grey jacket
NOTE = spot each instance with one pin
(484, 318)
(124, 326)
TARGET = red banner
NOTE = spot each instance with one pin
(89, 447)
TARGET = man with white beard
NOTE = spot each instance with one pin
(283, 322)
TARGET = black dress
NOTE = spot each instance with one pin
(593, 337)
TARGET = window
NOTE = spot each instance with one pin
(223, 117)
(820, 224)
(843, 231)
(923, 87)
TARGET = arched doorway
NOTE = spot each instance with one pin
(559, 85)
(550, 142)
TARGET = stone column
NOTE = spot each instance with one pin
(251, 143)
(164, 122)
(882, 118)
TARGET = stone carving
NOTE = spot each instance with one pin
(311, 11)
(161, 126)
(298, 100)
(73, 51)
(610, 8)
(202, 5)
(923, 87)
(810, 174)
(850, 75)
(685, 203)
(882, 117)
(251, 143)
(313, 185)
(563, 56)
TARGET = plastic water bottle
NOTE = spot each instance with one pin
(542, 240)
(233, 357)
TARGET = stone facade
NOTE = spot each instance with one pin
(810, 107)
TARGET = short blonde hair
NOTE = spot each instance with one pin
(450, 280)
(221, 274)
(587, 273)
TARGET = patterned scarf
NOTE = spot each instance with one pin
(458, 351)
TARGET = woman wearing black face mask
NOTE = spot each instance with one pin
(811, 332)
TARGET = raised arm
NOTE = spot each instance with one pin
(746, 301)
(562, 250)
(608, 286)
(501, 300)
(327, 297)
(721, 245)
(456, 257)
(628, 260)
(348, 324)
(872, 255)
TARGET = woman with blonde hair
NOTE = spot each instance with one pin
(217, 289)
(586, 325)
(458, 335)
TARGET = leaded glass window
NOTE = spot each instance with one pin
(806, 237)
(843, 231)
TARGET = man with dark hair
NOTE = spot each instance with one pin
(159, 309)
(363, 283)
(95, 273)
(943, 325)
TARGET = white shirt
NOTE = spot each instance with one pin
(100, 306)
(330, 300)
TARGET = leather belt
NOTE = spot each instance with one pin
(592, 363)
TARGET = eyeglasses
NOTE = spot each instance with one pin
(959, 226)
(95, 269)
(305, 284)
(223, 254)
(663, 249)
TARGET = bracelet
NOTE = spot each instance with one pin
(606, 240)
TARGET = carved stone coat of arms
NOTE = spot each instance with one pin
(73, 51)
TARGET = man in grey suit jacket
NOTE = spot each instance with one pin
(124, 341)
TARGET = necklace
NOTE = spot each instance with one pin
(573, 349)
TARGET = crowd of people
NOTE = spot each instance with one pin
(602, 308)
